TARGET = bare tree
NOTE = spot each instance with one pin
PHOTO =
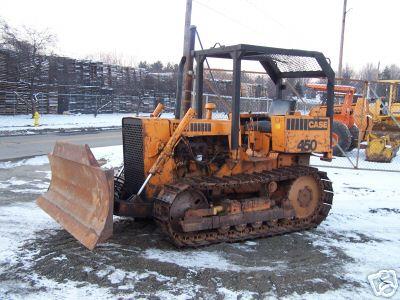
(348, 72)
(369, 72)
(31, 47)
(394, 71)
(113, 58)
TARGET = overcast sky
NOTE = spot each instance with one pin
(153, 29)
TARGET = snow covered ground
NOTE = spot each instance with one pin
(351, 160)
(38, 259)
(25, 122)
(112, 155)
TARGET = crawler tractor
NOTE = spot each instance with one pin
(206, 180)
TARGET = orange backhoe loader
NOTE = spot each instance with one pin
(351, 121)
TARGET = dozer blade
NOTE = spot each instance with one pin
(80, 196)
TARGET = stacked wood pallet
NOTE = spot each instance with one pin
(3, 65)
(52, 96)
(80, 86)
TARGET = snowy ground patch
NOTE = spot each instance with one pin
(199, 260)
(112, 154)
(39, 260)
(351, 160)
(364, 222)
(34, 161)
(13, 221)
(25, 122)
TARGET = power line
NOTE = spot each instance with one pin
(262, 11)
(238, 22)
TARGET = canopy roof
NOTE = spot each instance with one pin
(278, 62)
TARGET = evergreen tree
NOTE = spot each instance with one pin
(156, 67)
(385, 74)
(143, 65)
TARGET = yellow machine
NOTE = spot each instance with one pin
(204, 180)
(386, 114)
(383, 142)
(381, 148)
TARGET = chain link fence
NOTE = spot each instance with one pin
(257, 91)
(376, 140)
(375, 110)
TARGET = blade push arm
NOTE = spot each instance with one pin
(169, 147)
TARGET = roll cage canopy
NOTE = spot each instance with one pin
(278, 63)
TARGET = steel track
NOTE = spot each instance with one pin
(168, 194)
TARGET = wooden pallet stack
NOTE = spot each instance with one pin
(3, 65)
(3, 77)
(80, 86)
(52, 96)
(96, 73)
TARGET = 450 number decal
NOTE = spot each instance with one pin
(307, 145)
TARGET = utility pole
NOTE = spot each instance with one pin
(377, 75)
(188, 20)
(342, 39)
(188, 46)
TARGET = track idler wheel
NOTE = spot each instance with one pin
(185, 200)
(304, 195)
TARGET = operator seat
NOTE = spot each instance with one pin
(279, 107)
(282, 107)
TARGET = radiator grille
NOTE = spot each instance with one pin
(132, 136)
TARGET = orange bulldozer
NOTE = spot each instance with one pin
(205, 180)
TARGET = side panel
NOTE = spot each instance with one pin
(300, 134)
(156, 133)
(144, 139)
(206, 127)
